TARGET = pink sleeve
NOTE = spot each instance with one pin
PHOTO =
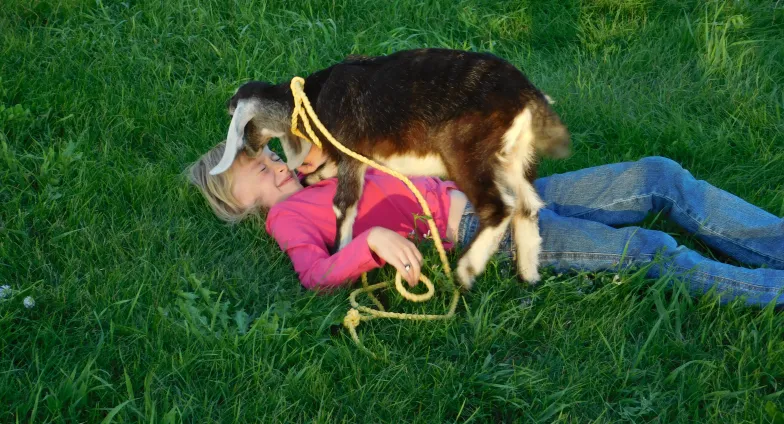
(310, 255)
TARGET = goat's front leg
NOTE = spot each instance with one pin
(351, 180)
(494, 217)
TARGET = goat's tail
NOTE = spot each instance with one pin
(551, 137)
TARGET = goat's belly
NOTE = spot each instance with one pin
(411, 165)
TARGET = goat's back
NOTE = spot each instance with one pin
(418, 98)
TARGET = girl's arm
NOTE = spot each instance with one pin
(371, 249)
(310, 256)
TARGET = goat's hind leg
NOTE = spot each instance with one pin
(519, 172)
(351, 181)
(528, 243)
(525, 223)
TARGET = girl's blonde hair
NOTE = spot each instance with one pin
(217, 188)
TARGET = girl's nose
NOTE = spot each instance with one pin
(281, 167)
(278, 166)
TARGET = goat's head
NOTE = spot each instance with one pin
(260, 112)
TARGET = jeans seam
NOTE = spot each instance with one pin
(745, 286)
(699, 225)
(591, 254)
(742, 284)
(605, 205)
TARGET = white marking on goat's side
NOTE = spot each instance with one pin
(529, 244)
(520, 131)
(412, 165)
(481, 250)
(338, 214)
(346, 228)
(518, 159)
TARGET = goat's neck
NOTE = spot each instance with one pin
(279, 121)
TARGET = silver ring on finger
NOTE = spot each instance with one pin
(407, 267)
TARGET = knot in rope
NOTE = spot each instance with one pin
(352, 319)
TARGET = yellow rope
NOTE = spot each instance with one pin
(353, 317)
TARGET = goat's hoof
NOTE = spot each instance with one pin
(530, 275)
(465, 276)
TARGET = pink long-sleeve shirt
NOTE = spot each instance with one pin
(304, 225)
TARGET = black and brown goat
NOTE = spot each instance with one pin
(471, 117)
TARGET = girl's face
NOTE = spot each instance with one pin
(264, 180)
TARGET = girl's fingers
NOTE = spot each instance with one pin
(406, 273)
(412, 275)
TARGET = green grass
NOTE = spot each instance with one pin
(149, 309)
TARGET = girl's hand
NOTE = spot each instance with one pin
(397, 251)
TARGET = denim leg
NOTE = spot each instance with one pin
(578, 244)
(624, 193)
(570, 244)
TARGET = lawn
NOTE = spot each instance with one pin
(148, 309)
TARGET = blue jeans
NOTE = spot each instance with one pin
(581, 207)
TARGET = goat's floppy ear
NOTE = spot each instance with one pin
(296, 150)
(245, 111)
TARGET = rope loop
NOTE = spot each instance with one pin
(304, 111)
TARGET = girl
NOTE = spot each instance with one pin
(575, 226)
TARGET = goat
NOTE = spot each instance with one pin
(472, 117)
